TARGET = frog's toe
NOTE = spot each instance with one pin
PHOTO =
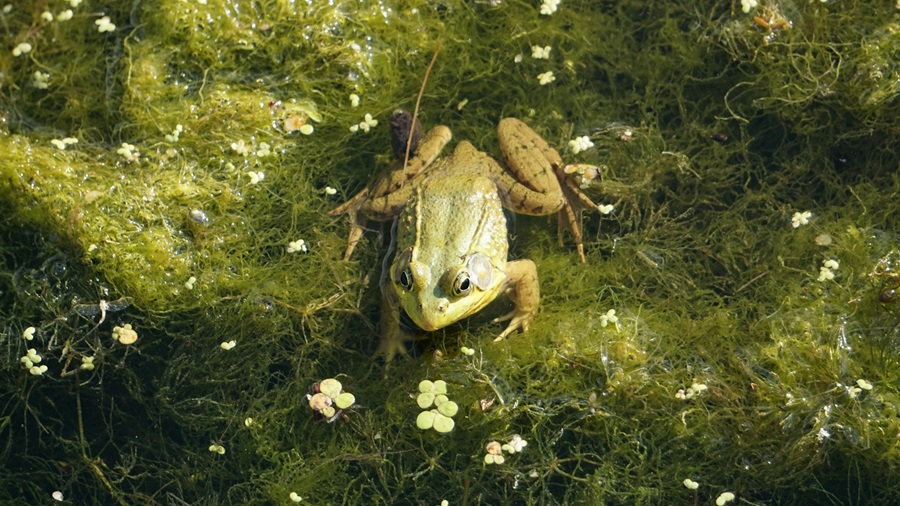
(518, 320)
(356, 233)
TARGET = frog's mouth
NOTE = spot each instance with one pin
(442, 312)
(431, 326)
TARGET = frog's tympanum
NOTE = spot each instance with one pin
(449, 247)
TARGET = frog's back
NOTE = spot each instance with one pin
(458, 214)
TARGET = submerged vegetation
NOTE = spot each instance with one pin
(172, 288)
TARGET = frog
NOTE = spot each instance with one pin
(449, 249)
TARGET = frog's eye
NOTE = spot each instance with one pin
(405, 279)
(401, 272)
(462, 285)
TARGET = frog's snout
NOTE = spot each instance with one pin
(433, 316)
(441, 307)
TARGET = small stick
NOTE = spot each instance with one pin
(416, 109)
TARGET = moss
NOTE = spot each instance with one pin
(735, 124)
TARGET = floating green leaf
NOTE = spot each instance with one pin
(425, 420)
(448, 408)
(442, 424)
(344, 400)
(330, 387)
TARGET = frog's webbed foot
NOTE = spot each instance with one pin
(356, 232)
(575, 201)
(525, 293)
(352, 209)
(390, 347)
(570, 214)
(517, 321)
(393, 337)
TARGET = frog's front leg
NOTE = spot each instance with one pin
(392, 338)
(523, 289)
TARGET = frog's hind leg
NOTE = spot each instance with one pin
(383, 198)
(532, 163)
(398, 176)
(354, 202)
(540, 186)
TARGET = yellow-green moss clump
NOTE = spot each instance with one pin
(166, 167)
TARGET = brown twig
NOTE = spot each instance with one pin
(416, 109)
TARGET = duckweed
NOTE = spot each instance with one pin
(725, 146)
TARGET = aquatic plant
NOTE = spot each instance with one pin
(167, 167)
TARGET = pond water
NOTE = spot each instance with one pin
(732, 336)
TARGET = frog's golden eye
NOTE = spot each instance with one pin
(462, 285)
(406, 279)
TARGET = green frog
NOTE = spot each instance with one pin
(448, 258)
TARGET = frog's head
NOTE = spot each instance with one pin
(435, 299)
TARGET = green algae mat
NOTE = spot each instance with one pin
(179, 327)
